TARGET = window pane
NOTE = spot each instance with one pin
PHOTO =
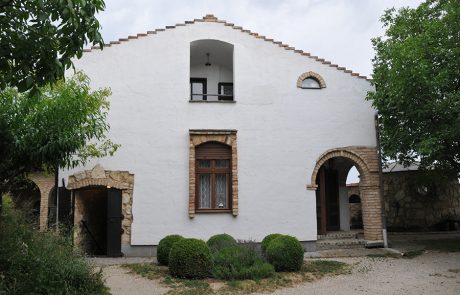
(222, 163)
(205, 191)
(197, 87)
(204, 163)
(310, 83)
(221, 191)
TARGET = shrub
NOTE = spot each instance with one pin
(285, 253)
(191, 259)
(164, 247)
(218, 242)
(266, 241)
(239, 263)
(33, 262)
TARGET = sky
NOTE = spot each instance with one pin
(338, 30)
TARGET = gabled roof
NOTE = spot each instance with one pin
(212, 18)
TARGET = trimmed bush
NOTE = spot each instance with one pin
(219, 242)
(266, 241)
(240, 263)
(33, 262)
(285, 253)
(190, 259)
(164, 247)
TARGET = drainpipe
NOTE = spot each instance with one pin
(379, 155)
(56, 194)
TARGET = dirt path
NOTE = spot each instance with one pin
(430, 273)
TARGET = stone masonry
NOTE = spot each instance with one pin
(45, 182)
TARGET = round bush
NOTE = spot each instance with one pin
(219, 242)
(190, 259)
(164, 247)
(285, 253)
(266, 241)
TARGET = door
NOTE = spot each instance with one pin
(332, 199)
(114, 217)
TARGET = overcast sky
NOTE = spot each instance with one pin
(337, 30)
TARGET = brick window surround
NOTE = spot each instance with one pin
(316, 76)
(200, 136)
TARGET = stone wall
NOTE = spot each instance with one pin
(414, 201)
(45, 182)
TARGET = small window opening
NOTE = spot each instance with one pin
(310, 83)
(211, 71)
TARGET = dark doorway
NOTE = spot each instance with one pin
(98, 214)
(327, 201)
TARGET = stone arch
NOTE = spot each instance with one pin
(313, 75)
(122, 180)
(45, 183)
(366, 161)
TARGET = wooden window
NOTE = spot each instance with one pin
(213, 177)
(198, 89)
(225, 91)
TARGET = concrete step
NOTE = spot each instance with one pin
(330, 244)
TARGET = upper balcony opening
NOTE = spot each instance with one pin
(211, 71)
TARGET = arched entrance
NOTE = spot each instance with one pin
(329, 181)
(103, 204)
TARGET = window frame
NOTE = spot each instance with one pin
(204, 82)
(314, 79)
(226, 98)
(223, 136)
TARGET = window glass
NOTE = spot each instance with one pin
(204, 163)
(221, 191)
(310, 83)
(222, 163)
(205, 191)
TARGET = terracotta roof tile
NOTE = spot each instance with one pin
(212, 18)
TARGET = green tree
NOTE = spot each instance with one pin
(417, 80)
(39, 38)
(64, 124)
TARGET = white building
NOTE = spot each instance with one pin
(224, 130)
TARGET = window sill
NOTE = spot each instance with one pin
(212, 101)
(199, 211)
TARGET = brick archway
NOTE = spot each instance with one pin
(45, 183)
(366, 161)
(122, 180)
(310, 74)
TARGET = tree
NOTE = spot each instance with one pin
(417, 81)
(38, 39)
(64, 124)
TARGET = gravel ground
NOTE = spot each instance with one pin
(425, 274)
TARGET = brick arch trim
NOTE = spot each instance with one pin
(97, 182)
(310, 74)
(359, 162)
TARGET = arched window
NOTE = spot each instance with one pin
(311, 80)
(213, 177)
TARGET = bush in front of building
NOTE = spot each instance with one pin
(33, 262)
(285, 253)
(164, 248)
(266, 241)
(220, 241)
(239, 263)
(190, 259)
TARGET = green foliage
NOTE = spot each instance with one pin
(190, 259)
(323, 266)
(266, 241)
(147, 270)
(33, 262)
(164, 248)
(240, 263)
(39, 39)
(285, 253)
(64, 125)
(417, 81)
(218, 242)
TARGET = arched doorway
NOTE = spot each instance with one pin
(26, 197)
(329, 181)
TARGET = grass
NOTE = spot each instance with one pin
(311, 270)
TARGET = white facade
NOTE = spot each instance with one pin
(282, 130)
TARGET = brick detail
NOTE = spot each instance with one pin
(45, 183)
(310, 74)
(198, 137)
(122, 180)
(366, 161)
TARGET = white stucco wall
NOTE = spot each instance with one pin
(282, 130)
